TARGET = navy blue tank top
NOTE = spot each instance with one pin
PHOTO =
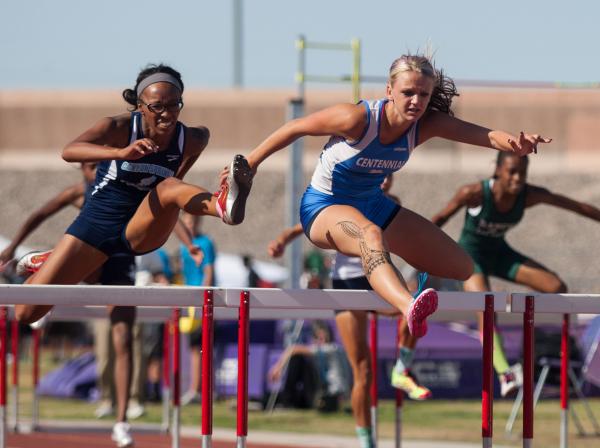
(121, 185)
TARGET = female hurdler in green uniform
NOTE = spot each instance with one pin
(494, 206)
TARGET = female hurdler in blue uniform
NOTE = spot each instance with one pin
(142, 158)
(344, 208)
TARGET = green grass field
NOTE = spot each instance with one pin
(448, 420)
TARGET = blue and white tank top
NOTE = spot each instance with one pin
(121, 185)
(357, 169)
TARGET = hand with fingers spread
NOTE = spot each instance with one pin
(138, 149)
(527, 143)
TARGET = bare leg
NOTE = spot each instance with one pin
(406, 339)
(71, 261)
(122, 319)
(352, 326)
(426, 247)
(157, 215)
(347, 230)
(195, 360)
(539, 278)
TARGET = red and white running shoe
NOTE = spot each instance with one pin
(31, 262)
(231, 200)
(423, 306)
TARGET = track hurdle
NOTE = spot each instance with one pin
(96, 297)
(288, 300)
(564, 304)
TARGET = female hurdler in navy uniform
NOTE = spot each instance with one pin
(142, 158)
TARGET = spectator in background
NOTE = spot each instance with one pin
(316, 375)
(195, 274)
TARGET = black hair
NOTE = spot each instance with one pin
(503, 155)
(130, 95)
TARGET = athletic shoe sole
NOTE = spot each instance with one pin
(231, 200)
(31, 262)
(423, 306)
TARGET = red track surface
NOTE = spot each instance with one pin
(103, 440)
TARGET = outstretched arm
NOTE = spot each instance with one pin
(438, 124)
(277, 369)
(467, 195)
(539, 195)
(276, 247)
(345, 120)
(69, 196)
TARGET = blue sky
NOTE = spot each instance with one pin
(103, 44)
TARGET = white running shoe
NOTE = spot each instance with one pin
(511, 380)
(231, 199)
(135, 410)
(41, 322)
(31, 262)
(191, 396)
(104, 409)
(424, 305)
(121, 434)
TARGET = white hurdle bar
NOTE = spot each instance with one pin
(565, 304)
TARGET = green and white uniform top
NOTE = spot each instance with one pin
(483, 234)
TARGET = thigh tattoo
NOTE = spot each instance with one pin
(371, 258)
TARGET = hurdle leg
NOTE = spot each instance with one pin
(487, 391)
(373, 391)
(14, 391)
(166, 378)
(242, 385)
(586, 406)
(3, 341)
(564, 383)
(207, 368)
(399, 400)
(176, 379)
(35, 404)
(528, 354)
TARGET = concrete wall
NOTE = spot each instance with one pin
(240, 119)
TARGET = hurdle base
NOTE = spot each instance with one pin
(241, 442)
(486, 442)
(527, 443)
(206, 441)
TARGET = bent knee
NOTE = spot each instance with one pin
(373, 235)
(557, 286)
